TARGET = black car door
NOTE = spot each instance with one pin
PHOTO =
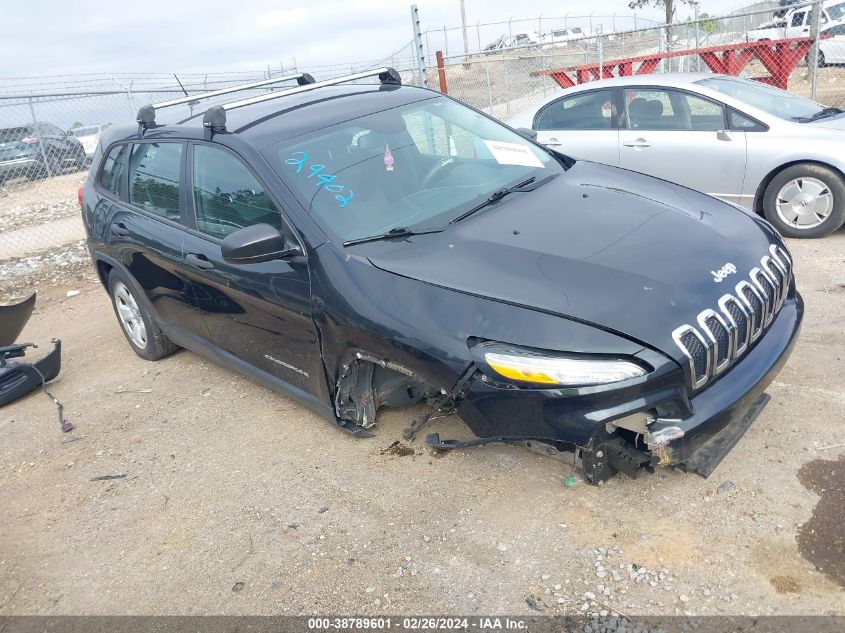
(258, 313)
(145, 229)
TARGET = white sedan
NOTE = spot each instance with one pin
(89, 136)
(768, 150)
(832, 45)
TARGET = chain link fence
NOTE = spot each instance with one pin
(49, 130)
(505, 80)
(49, 126)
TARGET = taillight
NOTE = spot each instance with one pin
(30, 140)
(79, 194)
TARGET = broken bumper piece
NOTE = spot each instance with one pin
(723, 412)
(18, 379)
(621, 429)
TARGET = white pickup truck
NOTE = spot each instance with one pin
(796, 22)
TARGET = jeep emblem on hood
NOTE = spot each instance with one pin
(724, 271)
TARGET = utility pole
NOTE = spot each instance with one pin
(464, 26)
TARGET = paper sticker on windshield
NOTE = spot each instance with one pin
(513, 154)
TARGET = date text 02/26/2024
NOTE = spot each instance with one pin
(417, 623)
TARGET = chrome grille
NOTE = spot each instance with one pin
(754, 302)
(725, 334)
(696, 348)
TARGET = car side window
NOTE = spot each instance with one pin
(155, 171)
(592, 110)
(798, 18)
(113, 167)
(227, 195)
(742, 122)
(657, 109)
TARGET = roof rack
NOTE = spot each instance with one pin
(147, 114)
(215, 117)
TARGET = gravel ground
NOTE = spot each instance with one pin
(24, 203)
(232, 499)
(60, 265)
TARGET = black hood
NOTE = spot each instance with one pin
(629, 253)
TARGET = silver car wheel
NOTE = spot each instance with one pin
(129, 315)
(804, 203)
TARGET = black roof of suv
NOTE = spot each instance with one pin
(382, 245)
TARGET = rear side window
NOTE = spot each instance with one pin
(227, 196)
(155, 178)
(589, 111)
(113, 168)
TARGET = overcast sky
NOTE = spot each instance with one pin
(49, 37)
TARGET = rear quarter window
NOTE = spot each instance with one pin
(113, 168)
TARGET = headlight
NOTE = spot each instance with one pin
(549, 370)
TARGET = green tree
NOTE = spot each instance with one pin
(668, 7)
(707, 24)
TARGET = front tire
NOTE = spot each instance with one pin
(805, 200)
(135, 319)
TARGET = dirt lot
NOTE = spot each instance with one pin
(236, 500)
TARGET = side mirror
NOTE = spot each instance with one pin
(255, 244)
(530, 134)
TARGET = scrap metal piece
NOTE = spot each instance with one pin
(658, 441)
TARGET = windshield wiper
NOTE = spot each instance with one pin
(501, 193)
(821, 114)
(402, 231)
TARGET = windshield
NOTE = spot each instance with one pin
(837, 11)
(414, 166)
(776, 102)
(88, 130)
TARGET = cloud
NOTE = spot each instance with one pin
(55, 37)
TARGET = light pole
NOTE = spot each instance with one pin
(464, 27)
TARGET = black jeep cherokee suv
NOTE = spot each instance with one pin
(360, 246)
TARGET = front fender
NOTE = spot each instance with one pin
(427, 329)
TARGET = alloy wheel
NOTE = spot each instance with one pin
(804, 203)
(129, 315)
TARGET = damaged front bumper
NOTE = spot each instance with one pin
(644, 423)
(722, 413)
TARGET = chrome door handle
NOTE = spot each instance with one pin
(553, 142)
(640, 142)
